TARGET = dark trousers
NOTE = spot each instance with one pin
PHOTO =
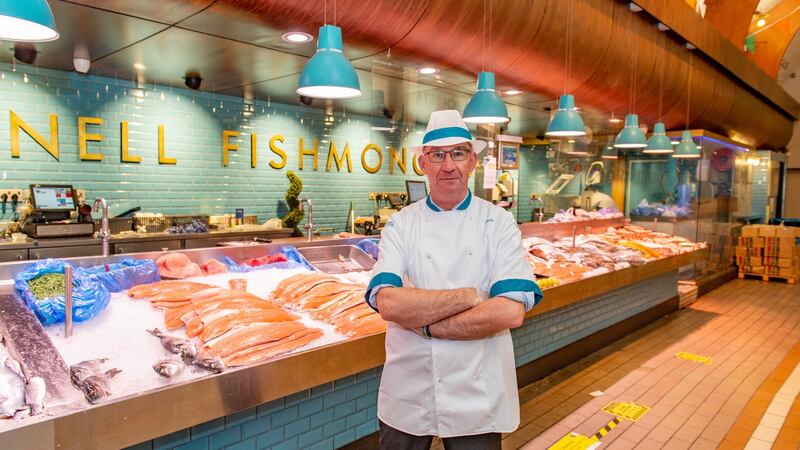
(392, 439)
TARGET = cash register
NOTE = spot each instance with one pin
(52, 205)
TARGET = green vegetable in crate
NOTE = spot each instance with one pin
(295, 214)
(47, 286)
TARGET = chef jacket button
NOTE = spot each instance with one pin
(469, 253)
(428, 255)
(440, 380)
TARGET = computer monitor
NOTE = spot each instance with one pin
(52, 198)
(417, 190)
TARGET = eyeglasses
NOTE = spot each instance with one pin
(457, 154)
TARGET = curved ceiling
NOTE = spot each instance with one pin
(236, 46)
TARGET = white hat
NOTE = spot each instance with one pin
(447, 128)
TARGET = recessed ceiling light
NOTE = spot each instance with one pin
(571, 141)
(427, 70)
(139, 66)
(297, 37)
(761, 22)
(512, 92)
(615, 119)
(379, 128)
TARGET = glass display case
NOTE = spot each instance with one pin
(557, 175)
(705, 199)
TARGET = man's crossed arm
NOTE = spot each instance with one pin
(450, 314)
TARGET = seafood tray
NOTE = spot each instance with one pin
(337, 258)
(157, 224)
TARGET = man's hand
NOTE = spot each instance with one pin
(413, 308)
(486, 319)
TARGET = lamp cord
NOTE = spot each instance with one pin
(633, 68)
(689, 90)
(568, 52)
(490, 30)
(326, 12)
(483, 47)
(661, 82)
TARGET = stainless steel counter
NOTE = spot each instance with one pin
(129, 243)
(129, 420)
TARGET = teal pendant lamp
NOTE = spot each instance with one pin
(485, 106)
(659, 143)
(27, 21)
(566, 122)
(631, 136)
(329, 74)
(687, 149)
(610, 153)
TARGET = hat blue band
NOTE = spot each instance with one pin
(446, 133)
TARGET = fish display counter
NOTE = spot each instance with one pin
(252, 348)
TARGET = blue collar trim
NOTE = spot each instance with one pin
(461, 206)
(447, 132)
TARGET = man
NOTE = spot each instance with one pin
(449, 368)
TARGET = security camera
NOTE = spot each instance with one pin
(193, 80)
(25, 52)
(81, 64)
(306, 100)
(386, 113)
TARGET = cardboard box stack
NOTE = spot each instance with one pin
(769, 250)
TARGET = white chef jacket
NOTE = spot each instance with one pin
(445, 387)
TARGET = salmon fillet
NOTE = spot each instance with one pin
(249, 335)
(222, 325)
(272, 349)
(333, 310)
(294, 282)
(166, 291)
(172, 316)
(364, 326)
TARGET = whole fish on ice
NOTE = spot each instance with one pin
(176, 345)
(96, 387)
(84, 369)
(208, 362)
(169, 367)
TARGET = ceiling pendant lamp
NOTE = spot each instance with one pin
(610, 153)
(659, 143)
(567, 122)
(631, 136)
(27, 21)
(486, 106)
(687, 149)
(329, 74)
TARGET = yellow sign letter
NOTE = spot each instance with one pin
(401, 162)
(364, 164)
(309, 152)
(17, 123)
(83, 137)
(227, 146)
(333, 156)
(162, 158)
(273, 145)
(123, 146)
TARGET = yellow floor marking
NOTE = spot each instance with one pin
(575, 441)
(693, 357)
(626, 410)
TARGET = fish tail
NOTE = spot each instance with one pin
(155, 332)
(111, 373)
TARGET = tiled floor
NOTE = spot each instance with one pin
(746, 396)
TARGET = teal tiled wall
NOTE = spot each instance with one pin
(194, 122)
(335, 414)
